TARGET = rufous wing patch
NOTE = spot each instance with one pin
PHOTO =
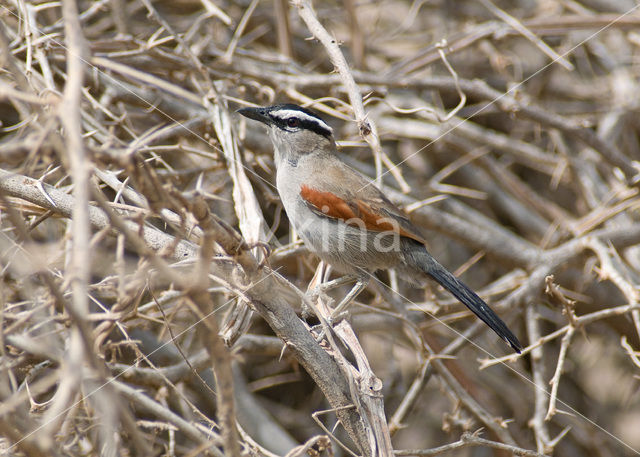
(327, 203)
(358, 214)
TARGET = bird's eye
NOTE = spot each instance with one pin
(293, 122)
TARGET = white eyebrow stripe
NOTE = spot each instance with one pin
(287, 113)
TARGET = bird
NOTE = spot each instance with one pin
(345, 219)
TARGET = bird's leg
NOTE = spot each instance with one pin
(325, 317)
(316, 291)
(361, 283)
(336, 283)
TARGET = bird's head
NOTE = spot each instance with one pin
(295, 131)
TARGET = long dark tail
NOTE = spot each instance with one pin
(418, 257)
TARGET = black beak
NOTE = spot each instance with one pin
(257, 114)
